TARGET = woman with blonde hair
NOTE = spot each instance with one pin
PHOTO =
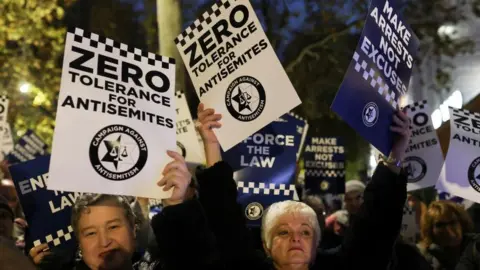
(445, 229)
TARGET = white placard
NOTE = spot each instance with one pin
(409, 228)
(235, 70)
(7, 139)
(424, 159)
(461, 171)
(3, 109)
(115, 118)
(187, 140)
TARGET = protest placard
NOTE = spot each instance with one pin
(235, 70)
(461, 172)
(378, 75)
(187, 141)
(265, 165)
(115, 118)
(302, 130)
(409, 231)
(424, 159)
(3, 109)
(28, 147)
(324, 162)
(7, 140)
(47, 212)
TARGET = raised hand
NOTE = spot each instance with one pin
(176, 176)
(402, 138)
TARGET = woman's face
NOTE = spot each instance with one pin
(292, 240)
(447, 232)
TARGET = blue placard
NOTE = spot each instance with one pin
(378, 75)
(28, 147)
(324, 163)
(47, 212)
(302, 128)
(265, 166)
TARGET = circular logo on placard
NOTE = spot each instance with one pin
(245, 98)
(370, 114)
(324, 185)
(118, 152)
(181, 149)
(415, 168)
(474, 174)
(254, 211)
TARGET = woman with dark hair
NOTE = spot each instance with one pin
(445, 230)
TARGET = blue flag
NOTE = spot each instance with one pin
(47, 212)
(378, 75)
(324, 162)
(265, 166)
(302, 129)
(28, 147)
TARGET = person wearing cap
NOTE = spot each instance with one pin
(6, 219)
(353, 196)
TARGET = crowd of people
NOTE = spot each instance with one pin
(202, 226)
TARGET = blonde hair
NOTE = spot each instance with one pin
(277, 210)
(447, 209)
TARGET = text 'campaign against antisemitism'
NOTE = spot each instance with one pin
(235, 70)
(461, 172)
(115, 118)
(378, 75)
(40, 204)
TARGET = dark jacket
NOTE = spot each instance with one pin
(406, 256)
(368, 242)
(470, 259)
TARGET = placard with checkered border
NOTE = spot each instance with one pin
(56, 239)
(267, 189)
(324, 173)
(419, 105)
(467, 113)
(408, 210)
(3, 116)
(202, 22)
(376, 81)
(100, 42)
(179, 94)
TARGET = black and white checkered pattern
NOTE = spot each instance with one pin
(198, 25)
(467, 113)
(407, 210)
(420, 105)
(266, 189)
(375, 80)
(3, 98)
(96, 41)
(56, 240)
(324, 173)
(179, 94)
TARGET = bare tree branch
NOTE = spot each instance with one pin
(307, 51)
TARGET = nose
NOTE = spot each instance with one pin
(295, 237)
(104, 239)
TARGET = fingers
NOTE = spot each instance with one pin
(38, 253)
(399, 122)
(175, 178)
(176, 156)
(400, 130)
(175, 165)
(205, 113)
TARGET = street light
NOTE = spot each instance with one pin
(25, 88)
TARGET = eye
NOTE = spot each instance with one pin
(113, 227)
(88, 234)
(283, 232)
(306, 233)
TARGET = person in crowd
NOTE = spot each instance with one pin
(105, 228)
(6, 219)
(11, 258)
(290, 233)
(445, 231)
(353, 199)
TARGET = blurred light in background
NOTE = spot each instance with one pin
(25, 88)
(442, 114)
